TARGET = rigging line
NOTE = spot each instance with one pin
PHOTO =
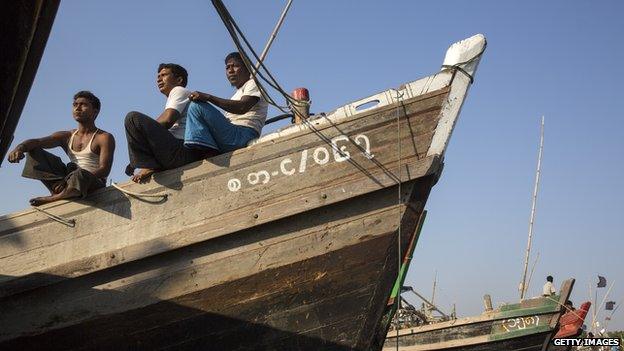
(224, 15)
(163, 196)
(232, 28)
(566, 308)
(399, 256)
(68, 222)
(457, 67)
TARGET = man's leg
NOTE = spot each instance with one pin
(80, 183)
(207, 127)
(46, 167)
(152, 147)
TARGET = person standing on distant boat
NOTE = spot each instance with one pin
(549, 288)
(245, 113)
(156, 145)
(90, 150)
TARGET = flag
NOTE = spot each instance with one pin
(609, 305)
(602, 281)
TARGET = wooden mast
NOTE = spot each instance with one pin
(523, 287)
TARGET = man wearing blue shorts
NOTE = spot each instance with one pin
(245, 113)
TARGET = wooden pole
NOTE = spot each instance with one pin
(523, 287)
(265, 51)
(435, 278)
(528, 284)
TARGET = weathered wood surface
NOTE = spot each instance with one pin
(340, 256)
(124, 231)
(508, 325)
(291, 243)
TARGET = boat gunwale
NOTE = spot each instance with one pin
(302, 132)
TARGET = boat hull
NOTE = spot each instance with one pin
(528, 325)
(327, 300)
(291, 243)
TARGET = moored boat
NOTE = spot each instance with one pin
(290, 243)
(527, 325)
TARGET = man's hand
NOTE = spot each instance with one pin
(198, 96)
(59, 187)
(16, 155)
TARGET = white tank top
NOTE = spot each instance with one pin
(85, 159)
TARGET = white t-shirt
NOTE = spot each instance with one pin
(548, 289)
(255, 117)
(179, 101)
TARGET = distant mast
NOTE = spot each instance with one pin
(523, 287)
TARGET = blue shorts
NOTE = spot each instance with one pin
(206, 127)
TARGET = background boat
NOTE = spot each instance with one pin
(527, 325)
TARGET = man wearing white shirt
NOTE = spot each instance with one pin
(155, 145)
(548, 288)
(245, 113)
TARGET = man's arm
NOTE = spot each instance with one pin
(56, 139)
(168, 117)
(107, 150)
(237, 107)
(177, 100)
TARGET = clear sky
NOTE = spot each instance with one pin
(561, 59)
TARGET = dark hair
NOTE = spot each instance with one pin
(177, 70)
(89, 96)
(236, 56)
(549, 278)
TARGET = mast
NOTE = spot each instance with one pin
(273, 35)
(523, 287)
(435, 279)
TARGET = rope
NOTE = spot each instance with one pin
(139, 195)
(400, 258)
(564, 306)
(457, 67)
(235, 32)
(68, 222)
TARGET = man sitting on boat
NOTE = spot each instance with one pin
(548, 288)
(155, 145)
(245, 113)
(90, 150)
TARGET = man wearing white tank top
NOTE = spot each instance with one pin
(90, 151)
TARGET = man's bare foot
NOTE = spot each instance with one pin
(143, 176)
(65, 194)
(38, 201)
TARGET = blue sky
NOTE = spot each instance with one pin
(561, 59)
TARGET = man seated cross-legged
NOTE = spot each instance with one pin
(89, 148)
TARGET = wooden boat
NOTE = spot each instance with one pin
(570, 325)
(26, 26)
(528, 325)
(290, 243)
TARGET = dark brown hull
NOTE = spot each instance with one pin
(331, 302)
